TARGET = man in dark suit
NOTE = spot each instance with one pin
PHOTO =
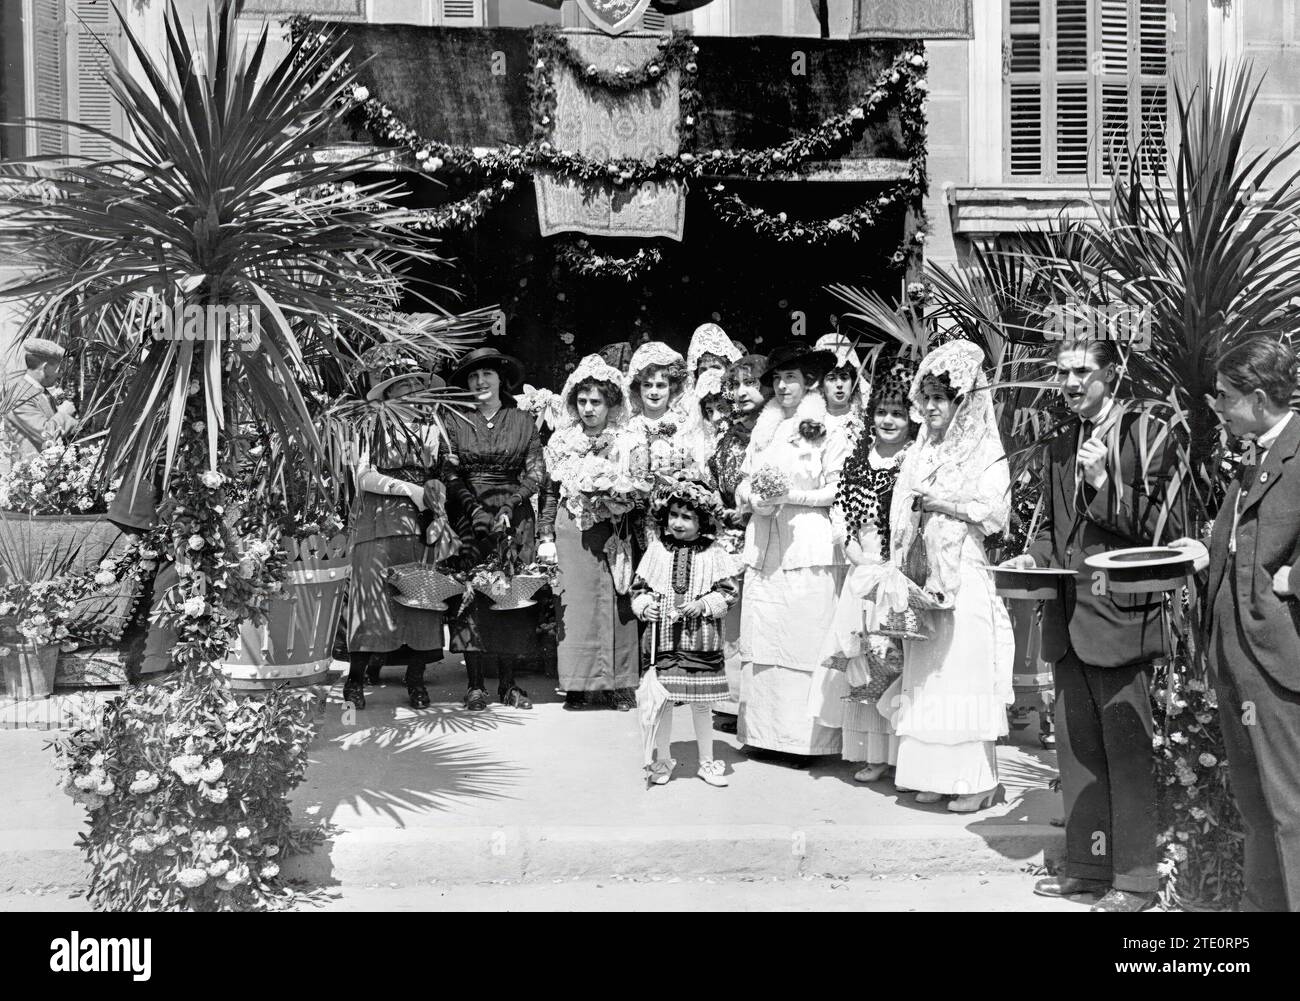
(33, 418)
(1253, 601)
(1099, 497)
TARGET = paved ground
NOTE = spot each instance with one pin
(990, 892)
(443, 803)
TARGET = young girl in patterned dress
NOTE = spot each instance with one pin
(684, 585)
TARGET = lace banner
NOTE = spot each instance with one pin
(914, 19)
(641, 123)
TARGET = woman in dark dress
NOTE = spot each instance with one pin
(388, 529)
(494, 466)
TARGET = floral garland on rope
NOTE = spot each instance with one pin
(466, 213)
(581, 259)
(828, 140)
(550, 48)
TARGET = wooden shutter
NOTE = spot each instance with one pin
(1134, 85)
(654, 20)
(1025, 70)
(460, 13)
(92, 27)
(49, 99)
(1086, 81)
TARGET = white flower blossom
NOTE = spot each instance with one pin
(192, 878)
(212, 479)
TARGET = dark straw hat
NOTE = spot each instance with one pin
(511, 372)
(796, 355)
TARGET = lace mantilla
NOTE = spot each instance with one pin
(710, 339)
(591, 367)
(961, 361)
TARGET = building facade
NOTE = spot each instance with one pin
(1025, 117)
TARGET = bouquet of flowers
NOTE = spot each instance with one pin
(57, 480)
(769, 482)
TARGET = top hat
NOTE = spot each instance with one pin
(511, 372)
(796, 355)
(426, 381)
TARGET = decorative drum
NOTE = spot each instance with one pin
(294, 646)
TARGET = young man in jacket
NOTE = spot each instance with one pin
(1101, 495)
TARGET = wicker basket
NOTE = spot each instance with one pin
(909, 624)
(423, 585)
(520, 593)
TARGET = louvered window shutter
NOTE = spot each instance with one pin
(460, 13)
(91, 27)
(1086, 80)
(653, 20)
(50, 89)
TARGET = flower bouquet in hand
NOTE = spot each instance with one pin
(768, 483)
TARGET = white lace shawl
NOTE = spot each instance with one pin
(966, 467)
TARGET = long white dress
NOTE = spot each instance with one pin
(867, 734)
(949, 706)
(790, 584)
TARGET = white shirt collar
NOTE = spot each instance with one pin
(34, 381)
(1272, 434)
(1100, 416)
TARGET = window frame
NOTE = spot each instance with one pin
(1048, 78)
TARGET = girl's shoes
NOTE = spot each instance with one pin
(661, 772)
(978, 801)
(418, 696)
(712, 772)
(872, 773)
(354, 692)
(623, 699)
(929, 797)
(476, 700)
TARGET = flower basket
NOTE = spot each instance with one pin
(29, 670)
(519, 593)
(909, 624)
(424, 586)
(883, 669)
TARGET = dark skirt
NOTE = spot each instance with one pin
(377, 623)
(596, 632)
(692, 677)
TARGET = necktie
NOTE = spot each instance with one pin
(1249, 468)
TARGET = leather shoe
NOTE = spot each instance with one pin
(516, 697)
(476, 700)
(1068, 886)
(1124, 902)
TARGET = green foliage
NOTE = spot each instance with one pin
(218, 199)
(187, 789)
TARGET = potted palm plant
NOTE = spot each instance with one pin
(264, 274)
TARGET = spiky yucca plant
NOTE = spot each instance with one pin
(216, 199)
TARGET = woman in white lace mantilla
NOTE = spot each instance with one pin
(949, 706)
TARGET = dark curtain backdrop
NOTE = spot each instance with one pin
(441, 82)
